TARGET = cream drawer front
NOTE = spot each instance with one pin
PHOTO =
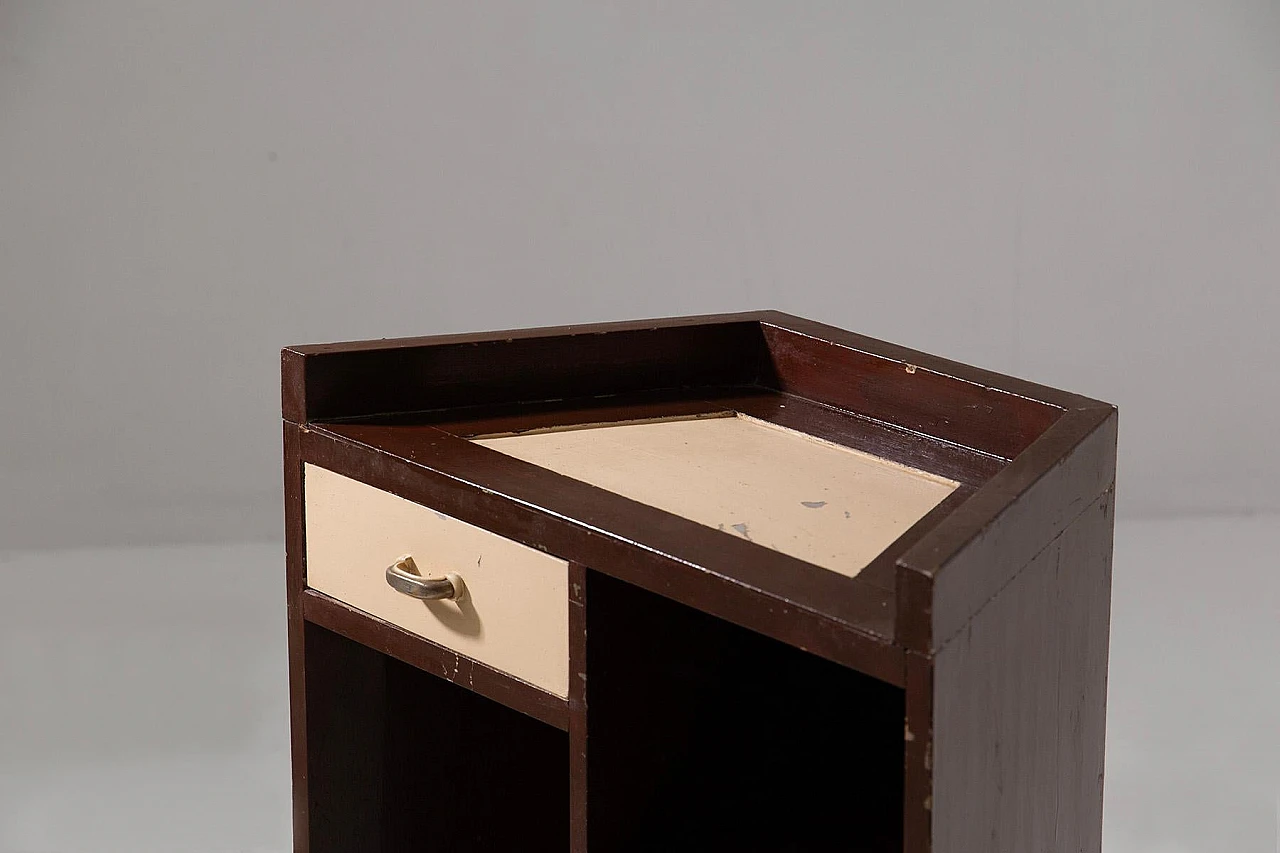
(514, 615)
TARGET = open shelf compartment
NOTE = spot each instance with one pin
(401, 760)
(705, 736)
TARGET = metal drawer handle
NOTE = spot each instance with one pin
(402, 576)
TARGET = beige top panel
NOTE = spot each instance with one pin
(828, 505)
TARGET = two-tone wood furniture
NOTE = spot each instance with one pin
(741, 582)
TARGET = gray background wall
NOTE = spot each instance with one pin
(1085, 194)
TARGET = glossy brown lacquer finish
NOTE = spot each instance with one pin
(949, 698)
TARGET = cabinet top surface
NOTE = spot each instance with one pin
(829, 505)
(823, 510)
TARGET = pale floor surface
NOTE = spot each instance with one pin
(143, 705)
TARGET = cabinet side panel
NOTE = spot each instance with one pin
(1020, 702)
(295, 572)
(1084, 577)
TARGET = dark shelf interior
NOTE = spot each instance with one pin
(400, 760)
(706, 736)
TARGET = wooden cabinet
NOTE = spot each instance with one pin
(737, 582)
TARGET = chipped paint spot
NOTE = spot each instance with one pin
(928, 803)
(846, 514)
(911, 368)
(577, 590)
(721, 528)
(813, 504)
(907, 734)
(742, 528)
(583, 676)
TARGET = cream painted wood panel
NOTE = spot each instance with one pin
(832, 506)
(515, 614)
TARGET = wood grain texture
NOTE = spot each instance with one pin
(822, 335)
(1019, 705)
(906, 393)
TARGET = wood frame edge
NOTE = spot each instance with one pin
(921, 568)
(395, 642)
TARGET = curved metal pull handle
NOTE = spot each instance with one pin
(401, 577)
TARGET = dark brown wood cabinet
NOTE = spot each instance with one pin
(741, 582)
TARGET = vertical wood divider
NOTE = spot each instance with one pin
(295, 580)
(917, 733)
(577, 708)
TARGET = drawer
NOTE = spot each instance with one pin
(514, 615)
